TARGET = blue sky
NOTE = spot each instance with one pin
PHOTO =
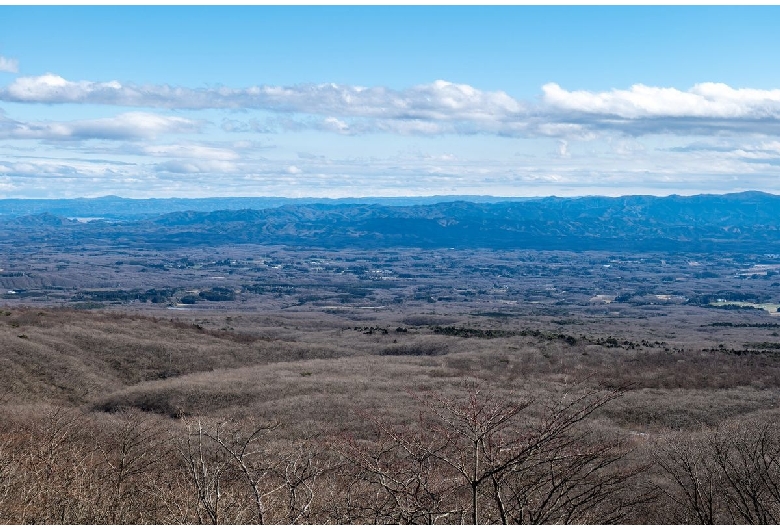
(388, 101)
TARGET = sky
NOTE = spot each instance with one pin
(359, 101)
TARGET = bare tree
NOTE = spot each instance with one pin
(209, 470)
(134, 455)
(491, 459)
(239, 476)
(748, 458)
(297, 472)
(728, 475)
(396, 479)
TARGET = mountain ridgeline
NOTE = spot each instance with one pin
(748, 221)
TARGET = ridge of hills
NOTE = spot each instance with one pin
(746, 221)
(124, 209)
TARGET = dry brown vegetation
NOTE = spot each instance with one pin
(213, 417)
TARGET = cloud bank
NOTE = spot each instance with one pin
(440, 100)
(438, 108)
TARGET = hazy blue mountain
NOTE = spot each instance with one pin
(741, 221)
(118, 208)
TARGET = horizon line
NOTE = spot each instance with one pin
(386, 197)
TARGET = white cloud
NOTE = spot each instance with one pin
(135, 125)
(190, 151)
(563, 149)
(438, 100)
(196, 166)
(127, 126)
(53, 171)
(704, 109)
(50, 88)
(8, 65)
(705, 100)
(335, 125)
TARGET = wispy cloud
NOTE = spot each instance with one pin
(193, 169)
(8, 65)
(196, 166)
(126, 126)
(195, 151)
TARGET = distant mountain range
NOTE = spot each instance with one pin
(748, 221)
(119, 208)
